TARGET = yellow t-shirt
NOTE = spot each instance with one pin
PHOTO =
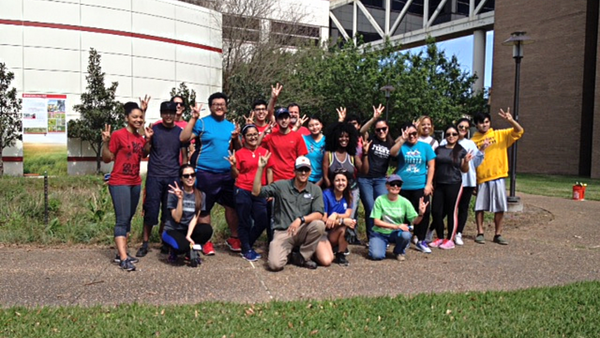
(495, 163)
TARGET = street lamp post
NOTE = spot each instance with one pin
(387, 89)
(517, 40)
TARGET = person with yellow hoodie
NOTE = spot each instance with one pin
(491, 174)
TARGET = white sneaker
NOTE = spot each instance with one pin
(458, 239)
(429, 236)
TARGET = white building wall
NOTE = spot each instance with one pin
(148, 46)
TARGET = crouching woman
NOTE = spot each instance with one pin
(390, 213)
(181, 228)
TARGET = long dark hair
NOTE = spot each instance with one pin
(457, 147)
(389, 141)
(347, 192)
(197, 192)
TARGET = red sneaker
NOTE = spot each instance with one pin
(208, 249)
(234, 244)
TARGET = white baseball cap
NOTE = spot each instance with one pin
(302, 162)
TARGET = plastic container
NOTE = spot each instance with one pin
(579, 193)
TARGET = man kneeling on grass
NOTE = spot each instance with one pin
(389, 213)
(297, 215)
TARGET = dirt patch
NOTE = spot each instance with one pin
(530, 216)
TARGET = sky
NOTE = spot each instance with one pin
(463, 49)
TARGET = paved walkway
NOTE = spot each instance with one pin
(559, 244)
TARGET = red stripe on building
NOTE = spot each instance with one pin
(88, 159)
(12, 158)
(109, 32)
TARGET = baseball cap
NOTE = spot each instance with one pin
(302, 162)
(168, 106)
(281, 111)
(394, 178)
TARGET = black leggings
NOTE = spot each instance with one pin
(176, 239)
(463, 207)
(445, 205)
(413, 196)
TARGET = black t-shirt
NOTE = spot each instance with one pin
(447, 171)
(379, 159)
(164, 152)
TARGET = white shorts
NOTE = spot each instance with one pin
(491, 196)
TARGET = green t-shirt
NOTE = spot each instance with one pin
(392, 212)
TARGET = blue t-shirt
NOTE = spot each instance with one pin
(213, 149)
(315, 155)
(412, 164)
(332, 205)
(164, 152)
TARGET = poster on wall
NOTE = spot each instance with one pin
(44, 134)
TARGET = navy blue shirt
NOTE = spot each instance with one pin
(164, 151)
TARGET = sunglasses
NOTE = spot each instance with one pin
(379, 130)
(395, 184)
(188, 175)
(179, 104)
(413, 134)
(303, 170)
(463, 127)
(451, 134)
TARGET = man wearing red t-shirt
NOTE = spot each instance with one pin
(285, 146)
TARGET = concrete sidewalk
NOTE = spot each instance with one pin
(555, 241)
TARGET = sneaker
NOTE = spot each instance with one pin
(127, 265)
(480, 239)
(234, 244)
(500, 240)
(447, 245)
(172, 257)
(340, 258)
(401, 257)
(346, 252)
(164, 249)
(296, 258)
(429, 236)
(143, 251)
(252, 256)
(131, 259)
(208, 249)
(458, 239)
(310, 264)
(423, 247)
(436, 243)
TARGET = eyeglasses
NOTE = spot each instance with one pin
(188, 175)
(219, 105)
(413, 134)
(461, 127)
(379, 130)
(303, 170)
(451, 134)
(397, 184)
(251, 135)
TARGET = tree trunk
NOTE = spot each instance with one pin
(98, 151)
(1, 165)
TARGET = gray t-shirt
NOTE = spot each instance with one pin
(291, 203)
(189, 210)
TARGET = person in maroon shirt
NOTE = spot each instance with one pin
(126, 147)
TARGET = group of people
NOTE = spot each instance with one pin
(302, 184)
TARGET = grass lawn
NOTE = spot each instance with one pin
(556, 186)
(565, 311)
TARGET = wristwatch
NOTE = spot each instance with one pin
(302, 220)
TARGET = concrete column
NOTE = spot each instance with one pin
(479, 59)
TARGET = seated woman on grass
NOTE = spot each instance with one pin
(389, 213)
(338, 210)
(182, 232)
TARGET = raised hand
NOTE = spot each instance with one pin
(263, 160)
(106, 133)
(469, 156)
(485, 144)
(144, 102)
(341, 113)
(148, 132)
(231, 158)
(196, 111)
(506, 114)
(175, 190)
(236, 130)
(377, 111)
(250, 118)
(275, 91)
(422, 206)
(301, 121)
(367, 146)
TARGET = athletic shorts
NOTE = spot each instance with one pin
(219, 188)
(155, 198)
(491, 196)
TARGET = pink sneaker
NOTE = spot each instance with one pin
(436, 243)
(447, 245)
(234, 244)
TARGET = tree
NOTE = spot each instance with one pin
(11, 123)
(189, 98)
(98, 107)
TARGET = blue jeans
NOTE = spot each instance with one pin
(250, 209)
(125, 200)
(370, 189)
(378, 243)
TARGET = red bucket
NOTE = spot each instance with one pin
(578, 192)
